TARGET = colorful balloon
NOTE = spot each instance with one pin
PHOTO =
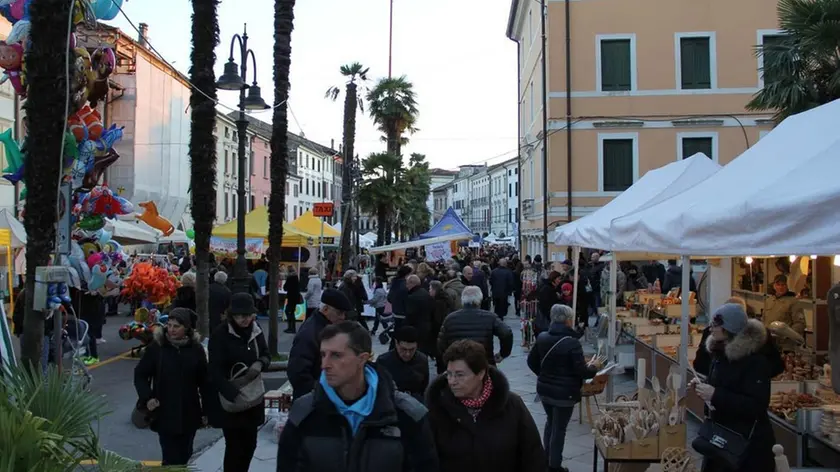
(106, 9)
(191, 234)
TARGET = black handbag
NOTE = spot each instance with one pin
(721, 444)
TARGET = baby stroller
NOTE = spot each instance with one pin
(74, 346)
(388, 322)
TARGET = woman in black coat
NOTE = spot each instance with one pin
(738, 387)
(239, 341)
(293, 298)
(171, 379)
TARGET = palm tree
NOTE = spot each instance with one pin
(202, 147)
(380, 194)
(47, 76)
(393, 107)
(415, 184)
(801, 68)
(284, 18)
(353, 101)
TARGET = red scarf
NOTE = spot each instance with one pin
(478, 403)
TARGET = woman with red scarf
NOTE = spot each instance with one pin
(478, 423)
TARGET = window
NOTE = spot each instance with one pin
(617, 161)
(319, 166)
(306, 186)
(510, 215)
(227, 170)
(227, 132)
(234, 164)
(696, 65)
(297, 191)
(771, 44)
(689, 144)
(617, 63)
(251, 164)
(531, 98)
(227, 205)
(253, 202)
(294, 212)
(265, 167)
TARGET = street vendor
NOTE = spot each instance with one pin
(781, 306)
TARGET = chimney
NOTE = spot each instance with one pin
(332, 143)
(143, 40)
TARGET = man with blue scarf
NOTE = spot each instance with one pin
(355, 419)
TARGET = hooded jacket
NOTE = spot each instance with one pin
(502, 438)
(740, 374)
(455, 288)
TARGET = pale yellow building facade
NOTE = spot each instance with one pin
(652, 81)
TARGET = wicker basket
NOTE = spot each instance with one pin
(595, 387)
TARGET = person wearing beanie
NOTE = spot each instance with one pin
(304, 367)
(171, 380)
(238, 342)
(781, 306)
(737, 388)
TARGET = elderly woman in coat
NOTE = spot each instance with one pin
(737, 393)
(557, 359)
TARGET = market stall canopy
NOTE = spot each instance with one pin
(310, 224)
(177, 236)
(129, 233)
(450, 228)
(593, 230)
(8, 221)
(778, 197)
(256, 226)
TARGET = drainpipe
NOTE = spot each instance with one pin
(546, 197)
(519, 141)
(568, 111)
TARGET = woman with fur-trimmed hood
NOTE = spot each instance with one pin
(170, 379)
(738, 386)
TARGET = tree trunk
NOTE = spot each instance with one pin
(350, 104)
(381, 220)
(284, 17)
(47, 77)
(202, 147)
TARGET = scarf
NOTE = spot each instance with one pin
(478, 403)
(177, 342)
(362, 408)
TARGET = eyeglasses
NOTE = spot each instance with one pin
(717, 320)
(455, 375)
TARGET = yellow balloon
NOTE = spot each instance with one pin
(192, 250)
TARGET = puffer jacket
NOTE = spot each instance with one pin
(314, 289)
(557, 359)
(740, 374)
(478, 325)
(395, 436)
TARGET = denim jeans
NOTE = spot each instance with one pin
(554, 435)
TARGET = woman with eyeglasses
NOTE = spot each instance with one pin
(478, 423)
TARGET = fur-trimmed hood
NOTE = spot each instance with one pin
(749, 341)
(159, 337)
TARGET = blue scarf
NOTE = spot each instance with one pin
(360, 410)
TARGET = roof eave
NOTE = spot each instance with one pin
(514, 7)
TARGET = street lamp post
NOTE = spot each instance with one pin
(236, 80)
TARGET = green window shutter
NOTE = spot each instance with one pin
(695, 63)
(617, 165)
(770, 43)
(615, 65)
(691, 146)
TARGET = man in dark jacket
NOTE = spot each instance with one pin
(673, 278)
(501, 285)
(557, 359)
(548, 295)
(654, 271)
(398, 292)
(408, 367)
(219, 299)
(353, 419)
(444, 305)
(419, 309)
(475, 278)
(471, 322)
(305, 357)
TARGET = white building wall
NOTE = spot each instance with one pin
(512, 192)
(316, 173)
(227, 169)
(434, 211)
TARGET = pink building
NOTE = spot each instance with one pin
(260, 173)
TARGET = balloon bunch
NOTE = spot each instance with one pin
(57, 293)
(96, 258)
(146, 320)
(93, 207)
(153, 284)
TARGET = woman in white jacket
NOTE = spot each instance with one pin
(314, 287)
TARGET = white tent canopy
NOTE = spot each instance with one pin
(177, 236)
(657, 185)
(778, 197)
(8, 221)
(128, 233)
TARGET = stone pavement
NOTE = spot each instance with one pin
(579, 446)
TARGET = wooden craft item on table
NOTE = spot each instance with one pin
(676, 459)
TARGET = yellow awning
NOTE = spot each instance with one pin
(311, 225)
(256, 226)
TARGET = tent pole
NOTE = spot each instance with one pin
(575, 265)
(611, 328)
(684, 319)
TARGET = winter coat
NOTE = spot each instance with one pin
(477, 325)
(292, 288)
(361, 295)
(653, 272)
(218, 303)
(673, 279)
(455, 288)
(227, 348)
(502, 282)
(784, 309)
(703, 360)
(398, 295)
(380, 298)
(557, 359)
(314, 290)
(740, 373)
(444, 305)
(395, 437)
(304, 365)
(410, 377)
(184, 298)
(420, 308)
(546, 298)
(502, 438)
(620, 284)
(349, 291)
(177, 377)
(479, 280)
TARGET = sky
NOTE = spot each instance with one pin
(455, 53)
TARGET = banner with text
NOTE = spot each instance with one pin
(438, 252)
(254, 247)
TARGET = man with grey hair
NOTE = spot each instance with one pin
(419, 309)
(218, 299)
(473, 323)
